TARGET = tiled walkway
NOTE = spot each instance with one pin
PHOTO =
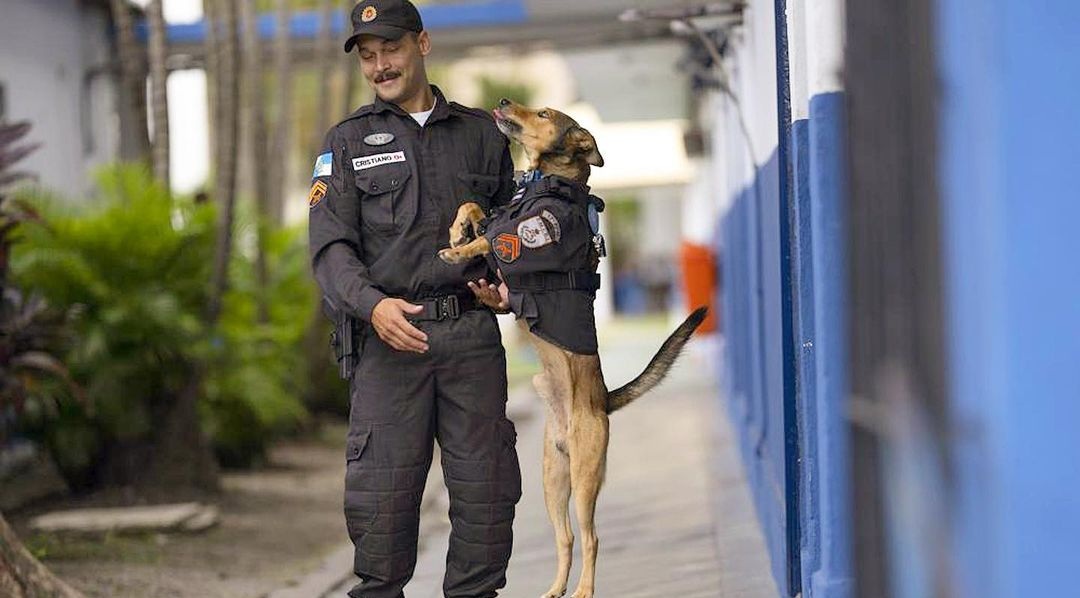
(674, 517)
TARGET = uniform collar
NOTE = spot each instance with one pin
(441, 111)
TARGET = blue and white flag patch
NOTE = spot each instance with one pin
(324, 165)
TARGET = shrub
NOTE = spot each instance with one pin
(133, 263)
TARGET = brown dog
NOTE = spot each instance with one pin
(571, 384)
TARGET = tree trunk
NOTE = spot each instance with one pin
(158, 91)
(228, 130)
(324, 56)
(283, 68)
(135, 143)
(351, 65)
(255, 103)
(210, 66)
(22, 576)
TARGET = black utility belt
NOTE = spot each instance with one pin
(445, 307)
(577, 280)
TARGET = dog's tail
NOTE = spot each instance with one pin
(659, 366)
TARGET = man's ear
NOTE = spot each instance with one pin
(423, 39)
(585, 144)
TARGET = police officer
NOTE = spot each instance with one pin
(430, 363)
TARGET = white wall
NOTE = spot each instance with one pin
(751, 65)
(47, 50)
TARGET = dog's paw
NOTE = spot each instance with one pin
(452, 256)
(462, 233)
(554, 593)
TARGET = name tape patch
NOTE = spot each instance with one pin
(365, 162)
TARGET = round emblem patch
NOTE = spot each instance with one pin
(369, 14)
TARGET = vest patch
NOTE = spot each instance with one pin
(553, 224)
(534, 233)
(507, 247)
(365, 162)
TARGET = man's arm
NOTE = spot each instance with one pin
(334, 232)
(334, 237)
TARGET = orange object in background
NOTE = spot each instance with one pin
(699, 282)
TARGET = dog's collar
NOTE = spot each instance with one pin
(530, 176)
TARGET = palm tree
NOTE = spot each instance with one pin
(324, 56)
(228, 149)
(255, 103)
(158, 91)
(283, 69)
(350, 65)
(135, 144)
(23, 576)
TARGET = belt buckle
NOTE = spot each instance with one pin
(449, 307)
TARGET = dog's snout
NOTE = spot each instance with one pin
(504, 102)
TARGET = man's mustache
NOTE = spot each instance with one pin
(388, 75)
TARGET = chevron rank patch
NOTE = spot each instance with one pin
(507, 247)
(317, 193)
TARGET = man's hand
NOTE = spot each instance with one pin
(388, 319)
(495, 297)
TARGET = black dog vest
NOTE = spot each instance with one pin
(546, 243)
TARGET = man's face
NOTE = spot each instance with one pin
(395, 68)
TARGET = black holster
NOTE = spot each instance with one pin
(344, 339)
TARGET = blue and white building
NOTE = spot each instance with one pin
(901, 294)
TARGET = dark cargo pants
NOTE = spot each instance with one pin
(456, 393)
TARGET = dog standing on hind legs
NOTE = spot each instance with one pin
(546, 246)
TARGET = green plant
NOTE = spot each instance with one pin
(260, 371)
(28, 329)
(133, 263)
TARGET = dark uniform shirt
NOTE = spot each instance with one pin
(542, 242)
(384, 193)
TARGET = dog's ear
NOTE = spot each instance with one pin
(585, 143)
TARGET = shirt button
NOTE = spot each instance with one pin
(374, 186)
(393, 182)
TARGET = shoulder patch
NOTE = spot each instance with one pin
(317, 193)
(324, 165)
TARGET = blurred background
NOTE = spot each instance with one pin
(877, 199)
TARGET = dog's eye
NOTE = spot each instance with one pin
(543, 114)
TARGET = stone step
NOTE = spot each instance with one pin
(187, 517)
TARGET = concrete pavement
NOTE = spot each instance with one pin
(674, 517)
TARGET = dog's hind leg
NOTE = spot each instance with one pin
(557, 497)
(588, 454)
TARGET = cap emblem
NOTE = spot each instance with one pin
(369, 14)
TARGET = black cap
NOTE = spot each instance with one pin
(388, 19)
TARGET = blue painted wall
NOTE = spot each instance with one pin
(751, 299)
(752, 303)
(1011, 82)
(819, 258)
